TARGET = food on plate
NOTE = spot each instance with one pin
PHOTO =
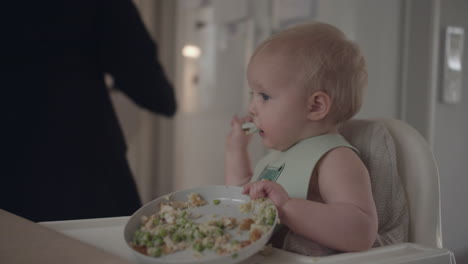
(245, 224)
(196, 200)
(175, 227)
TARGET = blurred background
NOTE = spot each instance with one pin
(204, 46)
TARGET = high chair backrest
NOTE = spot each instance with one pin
(416, 168)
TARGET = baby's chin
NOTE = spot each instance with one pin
(268, 144)
(278, 147)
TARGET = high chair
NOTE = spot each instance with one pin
(415, 165)
(420, 178)
(389, 146)
(377, 140)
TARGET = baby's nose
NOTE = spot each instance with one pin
(251, 109)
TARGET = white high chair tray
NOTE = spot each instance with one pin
(107, 234)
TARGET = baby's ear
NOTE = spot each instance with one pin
(318, 106)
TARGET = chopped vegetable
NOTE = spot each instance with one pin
(174, 228)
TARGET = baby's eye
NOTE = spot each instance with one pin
(264, 96)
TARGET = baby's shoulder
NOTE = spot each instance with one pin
(341, 153)
(341, 160)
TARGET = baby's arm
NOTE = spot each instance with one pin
(237, 165)
(346, 220)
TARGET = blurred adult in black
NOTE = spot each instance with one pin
(66, 151)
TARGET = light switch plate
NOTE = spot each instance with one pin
(452, 77)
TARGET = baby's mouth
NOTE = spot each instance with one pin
(259, 130)
(251, 127)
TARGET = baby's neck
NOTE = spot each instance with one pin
(320, 129)
(328, 130)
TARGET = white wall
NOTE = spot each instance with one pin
(444, 126)
(451, 144)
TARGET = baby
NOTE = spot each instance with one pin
(305, 82)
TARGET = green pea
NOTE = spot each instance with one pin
(142, 238)
(177, 237)
(209, 245)
(137, 237)
(163, 232)
(157, 252)
(198, 247)
(219, 224)
(182, 222)
(216, 201)
(219, 232)
(172, 229)
(149, 243)
(156, 221)
(158, 240)
(271, 221)
(198, 234)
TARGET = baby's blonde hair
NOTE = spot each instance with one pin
(328, 62)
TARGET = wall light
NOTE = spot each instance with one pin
(191, 51)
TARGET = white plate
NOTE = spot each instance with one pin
(231, 197)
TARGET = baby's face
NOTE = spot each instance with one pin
(278, 104)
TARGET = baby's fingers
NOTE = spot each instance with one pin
(268, 189)
(246, 189)
(255, 190)
(235, 120)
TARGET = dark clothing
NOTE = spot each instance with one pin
(66, 151)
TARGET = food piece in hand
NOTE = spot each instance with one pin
(249, 128)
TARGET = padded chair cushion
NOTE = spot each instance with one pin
(377, 151)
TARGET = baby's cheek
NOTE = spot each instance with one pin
(267, 143)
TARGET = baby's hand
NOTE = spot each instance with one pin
(237, 138)
(268, 189)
